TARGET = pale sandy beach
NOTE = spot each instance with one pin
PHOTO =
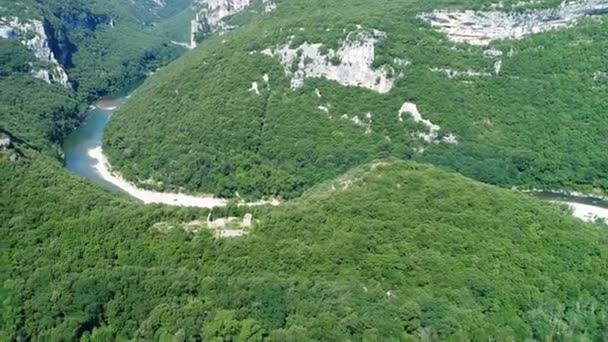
(107, 104)
(147, 196)
(586, 212)
(103, 169)
(96, 163)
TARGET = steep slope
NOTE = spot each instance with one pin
(389, 250)
(38, 112)
(315, 88)
(95, 46)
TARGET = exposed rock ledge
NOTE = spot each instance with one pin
(210, 15)
(481, 28)
(32, 34)
(432, 136)
(350, 65)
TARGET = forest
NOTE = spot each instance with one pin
(518, 128)
(107, 46)
(370, 247)
(391, 250)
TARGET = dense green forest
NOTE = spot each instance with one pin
(106, 46)
(138, 41)
(38, 112)
(387, 250)
(538, 123)
(390, 250)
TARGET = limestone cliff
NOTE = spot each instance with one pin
(211, 14)
(33, 35)
(483, 27)
(350, 65)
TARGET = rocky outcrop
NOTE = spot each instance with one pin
(492, 53)
(5, 142)
(481, 28)
(269, 5)
(350, 65)
(216, 10)
(33, 35)
(8, 32)
(433, 130)
(7, 147)
(211, 14)
(195, 27)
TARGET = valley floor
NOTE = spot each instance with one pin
(584, 211)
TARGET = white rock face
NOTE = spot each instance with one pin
(269, 5)
(229, 233)
(492, 52)
(42, 74)
(248, 220)
(350, 65)
(32, 34)
(254, 88)
(195, 26)
(210, 14)
(7, 32)
(600, 76)
(481, 28)
(220, 222)
(216, 10)
(497, 66)
(411, 109)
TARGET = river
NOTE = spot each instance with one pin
(84, 157)
(586, 208)
(88, 136)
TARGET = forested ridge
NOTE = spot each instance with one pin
(391, 250)
(371, 247)
(537, 123)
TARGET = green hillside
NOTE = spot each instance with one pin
(138, 42)
(389, 250)
(538, 123)
(105, 46)
(102, 47)
(370, 247)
